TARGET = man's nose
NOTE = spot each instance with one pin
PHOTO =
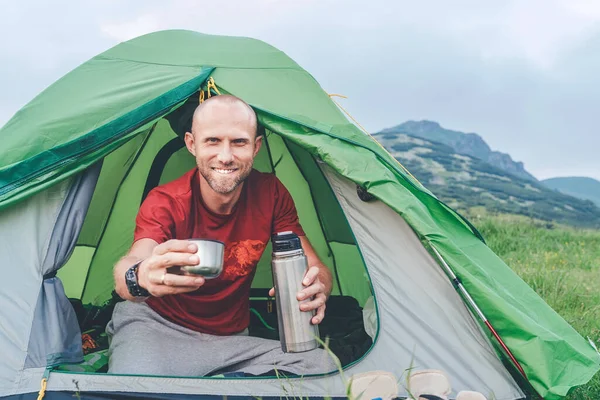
(225, 156)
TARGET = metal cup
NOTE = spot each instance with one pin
(211, 254)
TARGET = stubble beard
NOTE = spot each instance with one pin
(224, 184)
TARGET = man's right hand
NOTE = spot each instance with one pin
(158, 281)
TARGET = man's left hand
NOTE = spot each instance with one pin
(315, 289)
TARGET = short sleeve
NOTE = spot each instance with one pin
(155, 218)
(285, 215)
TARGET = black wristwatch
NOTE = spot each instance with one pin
(132, 282)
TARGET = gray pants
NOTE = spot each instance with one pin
(144, 343)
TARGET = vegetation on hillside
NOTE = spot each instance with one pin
(470, 144)
(463, 181)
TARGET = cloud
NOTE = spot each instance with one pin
(523, 74)
(234, 18)
(140, 25)
(536, 31)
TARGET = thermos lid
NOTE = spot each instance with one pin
(286, 241)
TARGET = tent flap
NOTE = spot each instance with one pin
(55, 336)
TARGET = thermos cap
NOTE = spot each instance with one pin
(286, 241)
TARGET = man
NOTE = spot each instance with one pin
(183, 325)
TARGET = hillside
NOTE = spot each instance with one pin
(577, 186)
(470, 144)
(463, 182)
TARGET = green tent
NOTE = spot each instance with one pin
(78, 160)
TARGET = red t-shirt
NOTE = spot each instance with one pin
(176, 211)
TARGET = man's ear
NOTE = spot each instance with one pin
(257, 144)
(189, 143)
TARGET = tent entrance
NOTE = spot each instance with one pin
(158, 155)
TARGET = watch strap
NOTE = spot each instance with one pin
(133, 285)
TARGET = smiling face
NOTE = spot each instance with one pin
(224, 142)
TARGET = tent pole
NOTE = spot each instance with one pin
(459, 286)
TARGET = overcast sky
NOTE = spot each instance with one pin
(522, 74)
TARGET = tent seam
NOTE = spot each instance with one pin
(298, 68)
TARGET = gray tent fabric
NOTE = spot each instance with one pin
(424, 323)
(25, 232)
(42, 321)
(55, 336)
(70, 219)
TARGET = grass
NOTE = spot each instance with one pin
(561, 264)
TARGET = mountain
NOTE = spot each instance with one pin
(577, 186)
(470, 144)
(463, 182)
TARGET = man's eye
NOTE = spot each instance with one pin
(212, 140)
(239, 141)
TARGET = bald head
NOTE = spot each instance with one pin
(224, 142)
(225, 106)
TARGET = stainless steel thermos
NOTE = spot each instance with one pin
(289, 265)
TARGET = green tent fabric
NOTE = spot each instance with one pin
(113, 109)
